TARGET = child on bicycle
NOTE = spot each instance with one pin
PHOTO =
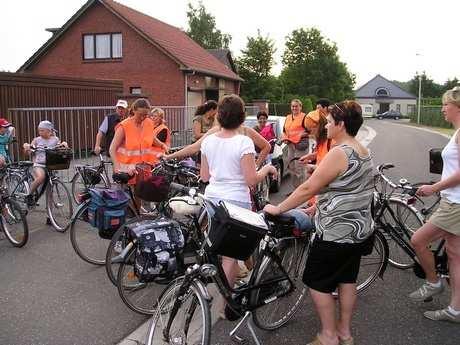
(46, 139)
(5, 138)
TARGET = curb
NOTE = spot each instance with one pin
(421, 129)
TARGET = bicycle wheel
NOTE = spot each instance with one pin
(85, 238)
(409, 220)
(14, 223)
(374, 264)
(17, 186)
(190, 323)
(138, 296)
(79, 184)
(59, 205)
(118, 243)
(293, 254)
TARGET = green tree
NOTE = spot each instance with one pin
(449, 85)
(203, 29)
(429, 88)
(311, 66)
(254, 66)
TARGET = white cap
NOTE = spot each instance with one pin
(122, 103)
(46, 125)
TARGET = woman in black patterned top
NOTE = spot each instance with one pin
(343, 184)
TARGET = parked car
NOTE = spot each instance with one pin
(390, 114)
(279, 156)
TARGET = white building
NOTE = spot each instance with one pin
(379, 95)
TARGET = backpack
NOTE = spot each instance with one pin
(158, 244)
(107, 210)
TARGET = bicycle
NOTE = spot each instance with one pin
(398, 198)
(275, 284)
(13, 220)
(84, 238)
(138, 294)
(176, 171)
(387, 222)
(90, 176)
(59, 207)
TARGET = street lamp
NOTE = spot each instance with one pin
(419, 93)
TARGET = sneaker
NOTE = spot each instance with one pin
(442, 315)
(425, 292)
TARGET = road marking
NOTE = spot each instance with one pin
(420, 128)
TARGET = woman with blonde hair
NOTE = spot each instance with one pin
(445, 221)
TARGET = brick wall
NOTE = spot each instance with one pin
(142, 64)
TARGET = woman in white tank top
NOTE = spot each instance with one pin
(445, 222)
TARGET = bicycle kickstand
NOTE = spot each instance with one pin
(250, 324)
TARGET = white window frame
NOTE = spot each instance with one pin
(115, 49)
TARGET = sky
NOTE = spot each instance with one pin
(393, 38)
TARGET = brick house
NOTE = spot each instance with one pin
(107, 40)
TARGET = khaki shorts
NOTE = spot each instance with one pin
(447, 217)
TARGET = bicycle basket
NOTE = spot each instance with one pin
(58, 159)
(436, 164)
(153, 188)
(235, 231)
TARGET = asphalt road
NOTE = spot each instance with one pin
(48, 295)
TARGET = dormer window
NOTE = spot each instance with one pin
(102, 46)
(382, 92)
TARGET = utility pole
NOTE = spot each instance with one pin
(419, 106)
(419, 97)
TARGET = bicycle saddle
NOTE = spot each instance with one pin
(282, 219)
(121, 177)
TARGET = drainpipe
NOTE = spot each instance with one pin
(187, 71)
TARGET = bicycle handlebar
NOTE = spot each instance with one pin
(404, 185)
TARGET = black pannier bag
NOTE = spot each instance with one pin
(159, 242)
(235, 231)
(58, 159)
(435, 161)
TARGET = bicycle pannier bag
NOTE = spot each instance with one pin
(235, 231)
(159, 242)
(436, 161)
(107, 210)
(58, 159)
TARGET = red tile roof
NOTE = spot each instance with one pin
(176, 43)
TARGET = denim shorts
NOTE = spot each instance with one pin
(303, 221)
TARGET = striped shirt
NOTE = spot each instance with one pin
(343, 212)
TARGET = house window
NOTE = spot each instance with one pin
(102, 46)
(398, 108)
(410, 109)
(382, 92)
(368, 109)
(135, 90)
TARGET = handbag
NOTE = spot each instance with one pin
(302, 145)
(436, 164)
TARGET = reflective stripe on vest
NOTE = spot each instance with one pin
(138, 143)
(294, 128)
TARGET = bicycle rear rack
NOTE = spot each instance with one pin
(247, 318)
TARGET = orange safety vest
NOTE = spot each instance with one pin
(138, 143)
(157, 149)
(294, 127)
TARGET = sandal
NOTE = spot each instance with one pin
(348, 341)
(316, 341)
